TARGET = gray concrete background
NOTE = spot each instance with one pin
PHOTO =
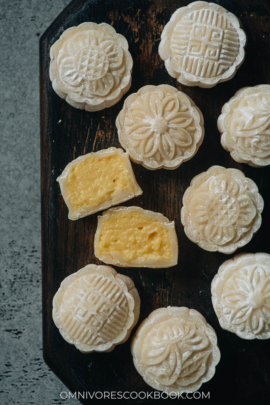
(24, 377)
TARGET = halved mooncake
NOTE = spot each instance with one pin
(175, 350)
(134, 237)
(96, 308)
(97, 181)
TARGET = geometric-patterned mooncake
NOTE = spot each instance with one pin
(202, 44)
(96, 308)
(175, 350)
(241, 295)
(221, 210)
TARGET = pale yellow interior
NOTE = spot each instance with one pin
(97, 179)
(136, 236)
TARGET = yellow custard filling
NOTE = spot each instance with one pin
(97, 179)
(137, 237)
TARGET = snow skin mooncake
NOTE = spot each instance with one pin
(91, 66)
(202, 44)
(96, 181)
(134, 237)
(221, 210)
(241, 295)
(96, 308)
(160, 127)
(175, 350)
(245, 126)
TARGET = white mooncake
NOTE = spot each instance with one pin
(160, 127)
(245, 126)
(175, 350)
(134, 237)
(96, 308)
(202, 44)
(91, 66)
(96, 181)
(221, 210)
(241, 295)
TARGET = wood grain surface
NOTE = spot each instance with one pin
(66, 133)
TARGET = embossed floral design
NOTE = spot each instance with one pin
(91, 66)
(221, 209)
(160, 127)
(245, 126)
(241, 295)
(175, 350)
(170, 346)
(202, 44)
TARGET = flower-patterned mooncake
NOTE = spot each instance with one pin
(91, 66)
(160, 127)
(241, 295)
(245, 125)
(175, 350)
(221, 210)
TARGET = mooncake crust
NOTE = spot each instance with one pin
(91, 66)
(175, 350)
(84, 301)
(241, 295)
(160, 127)
(244, 125)
(221, 210)
(202, 45)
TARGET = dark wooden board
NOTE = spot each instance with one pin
(66, 133)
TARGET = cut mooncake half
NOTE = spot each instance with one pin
(134, 237)
(96, 181)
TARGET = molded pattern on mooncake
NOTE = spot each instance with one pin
(160, 127)
(221, 210)
(96, 308)
(241, 295)
(175, 350)
(245, 126)
(202, 44)
(91, 66)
